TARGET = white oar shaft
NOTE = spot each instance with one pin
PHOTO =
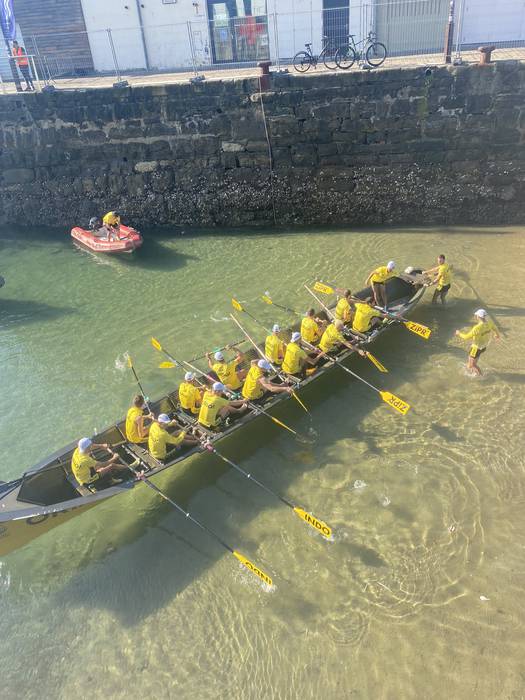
(330, 314)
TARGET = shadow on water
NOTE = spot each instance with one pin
(155, 256)
(19, 311)
(172, 550)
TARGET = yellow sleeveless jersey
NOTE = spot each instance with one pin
(381, 274)
(159, 438)
(343, 311)
(189, 397)
(274, 349)
(445, 275)
(252, 389)
(310, 330)
(363, 316)
(480, 334)
(81, 465)
(132, 431)
(110, 219)
(331, 336)
(211, 405)
(292, 358)
(227, 373)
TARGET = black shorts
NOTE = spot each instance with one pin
(475, 352)
(444, 289)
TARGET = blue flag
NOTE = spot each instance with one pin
(7, 19)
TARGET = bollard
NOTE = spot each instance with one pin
(264, 80)
(485, 52)
(449, 34)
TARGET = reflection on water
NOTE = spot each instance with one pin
(420, 593)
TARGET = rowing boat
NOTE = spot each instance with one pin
(48, 494)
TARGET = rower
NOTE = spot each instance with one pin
(377, 279)
(312, 327)
(257, 383)
(159, 438)
(296, 359)
(136, 430)
(343, 310)
(227, 372)
(111, 222)
(480, 334)
(274, 347)
(216, 408)
(333, 337)
(442, 278)
(93, 473)
(190, 395)
(365, 316)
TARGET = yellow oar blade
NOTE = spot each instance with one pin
(156, 344)
(236, 305)
(266, 299)
(299, 401)
(252, 568)
(395, 402)
(128, 359)
(321, 527)
(418, 329)
(376, 362)
(323, 288)
(283, 425)
(167, 365)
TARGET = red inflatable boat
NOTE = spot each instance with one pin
(129, 240)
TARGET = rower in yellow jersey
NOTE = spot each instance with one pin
(215, 407)
(343, 310)
(136, 428)
(480, 334)
(159, 437)
(190, 395)
(227, 372)
(365, 316)
(257, 384)
(377, 279)
(93, 473)
(274, 347)
(312, 327)
(443, 279)
(333, 337)
(296, 359)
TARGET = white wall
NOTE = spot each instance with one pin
(298, 22)
(487, 21)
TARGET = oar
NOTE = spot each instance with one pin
(254, 407)
(269, 300)
(394, 401)
(417, 328)
(252, 568)
(321, 527)
(262, 355)
(130, 365)
(373, 359)
(239, 307)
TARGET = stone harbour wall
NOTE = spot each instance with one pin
(401, 146)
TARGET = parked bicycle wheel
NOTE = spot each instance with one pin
(329, 59)
(345, 57)
(376, 54)
(302, 61)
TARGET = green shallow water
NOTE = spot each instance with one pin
(130, 600)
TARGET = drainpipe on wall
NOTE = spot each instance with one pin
(144, 45)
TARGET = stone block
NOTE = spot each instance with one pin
(478, 104)
(17, 176)
(229, 147)
(146, 166)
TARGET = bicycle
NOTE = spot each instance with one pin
(303, 60)
(373, 52)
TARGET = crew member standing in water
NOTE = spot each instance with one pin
(443, 279)
(480, 334)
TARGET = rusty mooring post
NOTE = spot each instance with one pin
(265, 74)
(485, 52)
(449, 34)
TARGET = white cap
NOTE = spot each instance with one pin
(264, 364)
(295, 337)
(164, 418)
(219, 356)
(218, 386)
(390, 265)
(338, 323)
(189, 376)
(481, 313)
(84, 444)
(276, 328)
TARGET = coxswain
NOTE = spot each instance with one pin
(365, 316)
(312, 327)
(227, 372)
(94, 473)
(333, 337)
(274, 347)
(296, 360)
(111, 222)
(190, 395)
(136, 428)
(377, 279)
(257, 383)
(159, 438)
(442, 278)
(343, 310)
(480, 334)
(216, 408)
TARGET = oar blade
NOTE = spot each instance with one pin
(167, 365)
(376, 362)
(128, 360)
(323, 288)
(299, 401)
(395, 402)
(236, 305)
(283, 425)
(156, 344)
(266, 299)
(418, 329)
(318, 525)
(253, 569)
